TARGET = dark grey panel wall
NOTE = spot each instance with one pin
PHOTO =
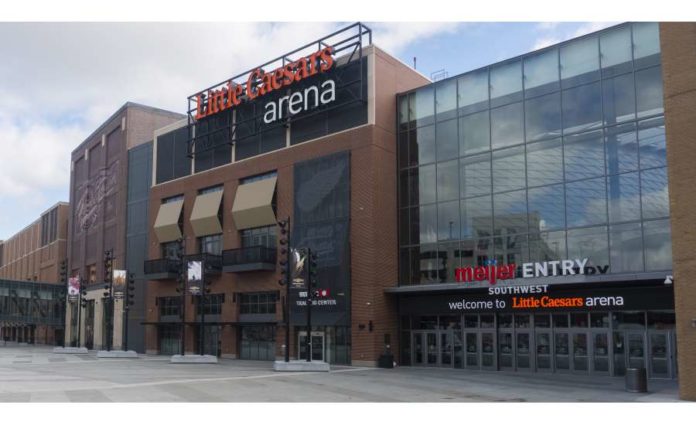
(139, 182)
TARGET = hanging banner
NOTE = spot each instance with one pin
(298, 268)
(119, 282)
(73, 288)
(194, 277)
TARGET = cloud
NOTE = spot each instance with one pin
(60, 81)
(551, 33)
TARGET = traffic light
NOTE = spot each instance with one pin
(64, 271)
(130, 289)
(181, 275)
(312, 269)
(283, 260)
(108, 268)
(83, 295)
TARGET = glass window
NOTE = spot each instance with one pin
(510, 211)
(582, 108)
(448, 180)
(403, 113)
(661, 320)
(619, 99)
(428, 224)
(646, 43)
(578, 320)
(426, 184)
(422, 145)
(615, 51)
(508, 169)
(658, 245)
(654, 193)
(579, 61)
(584, 155)
(446, 140)
(211, 244)
(259, 236)
(473, 92)
(507, 125)
(449, 258)
(547, 246)
(475, 175)
(446, 100)
(414, 226)
(542, 321)
(543, 117)
(626, 248)
(629, 320)
(448, 221)
(621, 149)
(560, 321)
(422, 106)
(544, 163)
(427, 265)
(541, 73)
(591, 243)
(506, 83)
(477, 216)
(586, 203)
(404, 235)
(474, 133)
(599, 320)
(651, 139)
(471, 321)
(623, 191)
(403, 149)
(649, 92)
(546, 208)
(505, 321)
(511, 248)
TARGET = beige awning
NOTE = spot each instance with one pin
(204, 218)
(167, 222)
(252, 204)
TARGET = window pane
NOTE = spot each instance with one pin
(546, 208)
(446, 100)
(651, 139)
(584, 155)
(586, 202)
(426, 184)
(624, 197)
(543, 117)
(508, 169)
(449, 261)
(590, 243)
(615, 51)
(477, 217)
(474, 133)
(448, 180)
(582, 108)
(510, 211)
(403, 149)
(403, 113)
(448, 221)
(626, 248)
(579, 61)
(654, 194)
(423, 106)
(511, 248)
(658, 245)
(619, 99)
(422, 144)
(446, 140)
(428, 224)
(621, 149)
(547, 246)
(475, 175)
(473, 92)
(414, 226)
(649, 92)
(427, 264)
(403, 227)
(541, 73)
(507, 125)
(544, 163)
(506, 83)
(646, 43)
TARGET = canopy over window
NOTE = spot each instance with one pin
(167, 222)
(253, 204)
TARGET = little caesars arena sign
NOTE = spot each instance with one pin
(260, 83)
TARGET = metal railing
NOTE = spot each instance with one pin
(249, 255)
(162, 265)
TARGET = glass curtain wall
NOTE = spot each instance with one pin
(557, 154)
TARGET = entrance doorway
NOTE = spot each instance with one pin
(318, 348)
(435, 348)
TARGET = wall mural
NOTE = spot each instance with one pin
(92, 193)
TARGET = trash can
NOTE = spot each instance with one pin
(386, 361)
(636, 380)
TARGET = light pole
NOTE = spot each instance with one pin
(286, 278)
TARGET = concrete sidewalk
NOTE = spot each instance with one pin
(34, 373)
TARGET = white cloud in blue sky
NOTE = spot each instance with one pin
(58, 81)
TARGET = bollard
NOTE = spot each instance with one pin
(636, 380)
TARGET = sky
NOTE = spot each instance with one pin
(60, 81)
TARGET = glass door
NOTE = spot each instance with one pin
(561, 352)
(446, 348)
(418, 355)
(473, 350)
(580, 352)
(600, 353)
(522, 356)
(543, 351)
(458, 349)
(619, 354)
(660, 355)
(636, 349)
(317, 348)
(488, 350)
(431, 349)
(505, 348)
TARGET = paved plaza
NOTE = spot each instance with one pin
(35, 374)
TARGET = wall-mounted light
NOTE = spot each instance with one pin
(693, 323)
